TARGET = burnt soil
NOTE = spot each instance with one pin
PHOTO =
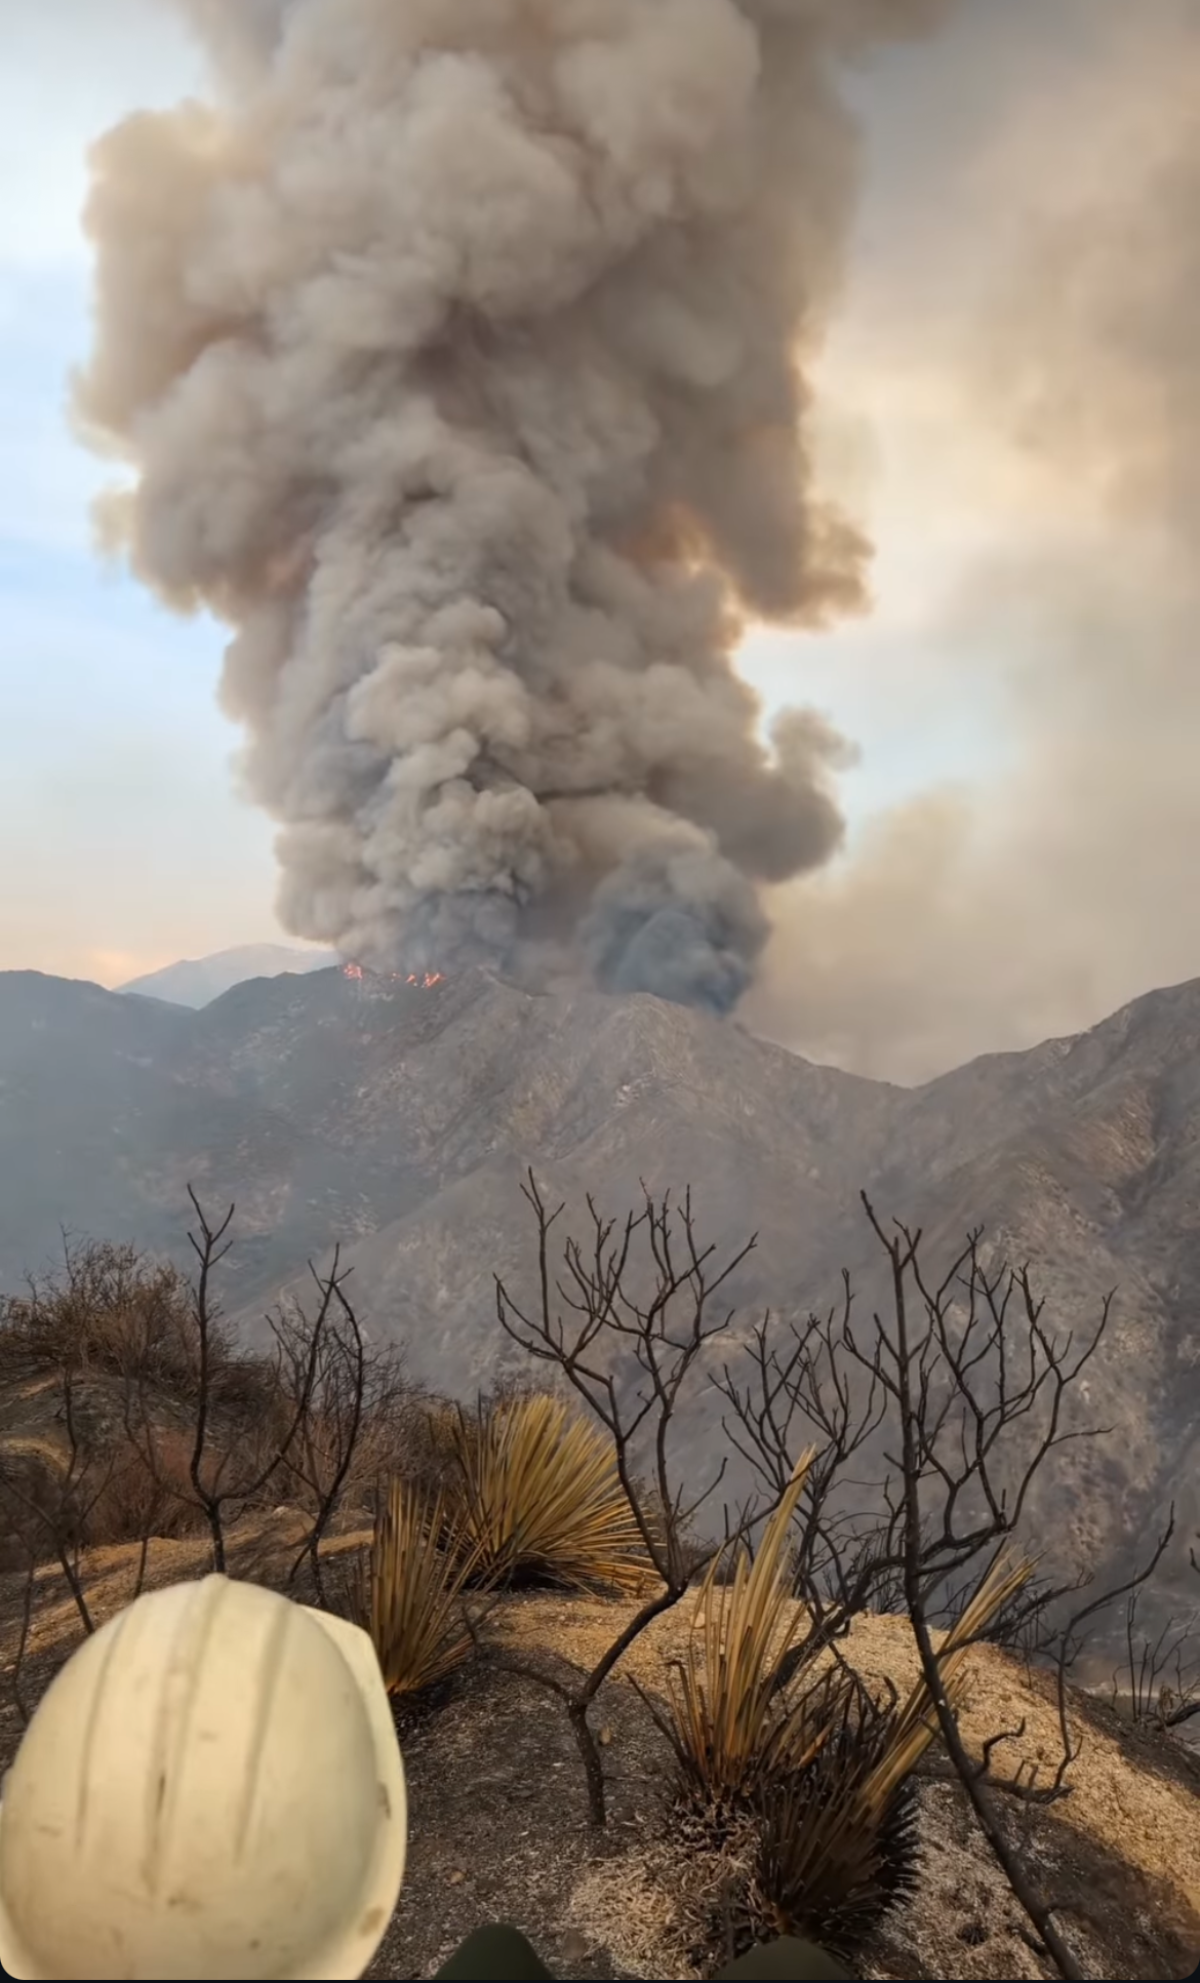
(498, 1814)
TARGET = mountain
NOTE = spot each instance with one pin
(398, 1120)
(195, 981)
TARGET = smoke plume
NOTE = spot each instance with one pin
(458, 349)
(1059, 881)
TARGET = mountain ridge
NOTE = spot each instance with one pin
(398, 1121)
(195, 981)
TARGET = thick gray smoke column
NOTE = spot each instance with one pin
(456, 349)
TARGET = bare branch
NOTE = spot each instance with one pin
(628, 1321)
(215, 1488)
(902, 1255)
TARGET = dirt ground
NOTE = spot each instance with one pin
(498, 1820)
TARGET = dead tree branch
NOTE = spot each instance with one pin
(911, 1391)
(630, 1357)
(216, 1482)
(988, 1380)
(355, 1387)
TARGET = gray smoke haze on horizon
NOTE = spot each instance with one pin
(1063, 884)
(456, 349)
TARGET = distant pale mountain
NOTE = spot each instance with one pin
(398, 1120)
(196, 981)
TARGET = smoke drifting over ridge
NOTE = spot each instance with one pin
(456, 349)
(1059, 882)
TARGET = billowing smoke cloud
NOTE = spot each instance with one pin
(1060, 880)
(458, 349)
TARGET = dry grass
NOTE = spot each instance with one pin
(1142, 1817)
(133, 1500)
(499, 1810)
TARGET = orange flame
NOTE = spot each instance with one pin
(424, 980)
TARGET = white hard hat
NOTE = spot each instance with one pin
(211, 1787)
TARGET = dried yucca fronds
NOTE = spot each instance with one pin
(915, 1725)
(541, 1499)
(837, 1841)
(420, 1566)
(838, 1844)
(724, 1724)
(823, 1772)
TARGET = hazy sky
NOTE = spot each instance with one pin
(1011, 407)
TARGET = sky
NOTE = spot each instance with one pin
(115, 789)
(1007, 401)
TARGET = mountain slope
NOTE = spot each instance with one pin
(195, 981)
(398, 1120)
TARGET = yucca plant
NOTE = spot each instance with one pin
(541, 1501)
(823, 1771)
(725, 1725)
(837, 1841)
(837, 1844)
(420, 1567)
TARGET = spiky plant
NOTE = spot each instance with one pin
(819, 1774)
(837, 1841)
(541, 1499)
(724, 1723)
(420, 1566)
